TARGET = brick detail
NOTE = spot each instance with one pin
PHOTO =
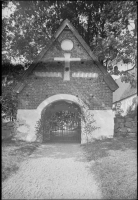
(77, 52)
(38, 89)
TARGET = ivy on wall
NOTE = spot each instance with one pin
(88, 120)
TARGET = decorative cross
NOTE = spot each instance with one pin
(67, 60)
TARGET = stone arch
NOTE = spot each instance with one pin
(58, 97)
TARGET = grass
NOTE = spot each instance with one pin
(13, 153)
(115, 166)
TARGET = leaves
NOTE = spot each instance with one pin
(9, 104)
(129, 78)
(102, 24)
(10, 74)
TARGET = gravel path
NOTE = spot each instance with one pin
(53, 171)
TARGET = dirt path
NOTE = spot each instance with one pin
(53, 171)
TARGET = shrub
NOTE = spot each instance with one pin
(9, 104)
(133, 108)
(88, 119)
(10, 76)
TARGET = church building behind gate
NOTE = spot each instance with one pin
(65, 70)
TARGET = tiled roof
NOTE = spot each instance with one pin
(124, 91)
(129, 92)
(119, 92)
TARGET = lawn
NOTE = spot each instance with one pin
(115, 166)
(13, 153)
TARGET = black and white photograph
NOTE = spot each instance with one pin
(69, 99)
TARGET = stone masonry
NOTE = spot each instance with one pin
(125, 126)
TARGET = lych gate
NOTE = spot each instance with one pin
(62, 122)
(65, 70)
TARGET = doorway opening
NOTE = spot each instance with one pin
(62, 122)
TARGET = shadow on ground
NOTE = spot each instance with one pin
(101, 148)
(114, 163)
(92, 151)
(60, 151)
(13, 153)
(27, 149)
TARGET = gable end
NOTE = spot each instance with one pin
(66, 24)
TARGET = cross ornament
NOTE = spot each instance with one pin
(67, 60)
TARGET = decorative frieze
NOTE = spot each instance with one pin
(84, 75)
(48, 74)
(59, 74)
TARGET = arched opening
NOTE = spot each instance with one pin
(62, 122)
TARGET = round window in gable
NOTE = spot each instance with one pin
(66, 45)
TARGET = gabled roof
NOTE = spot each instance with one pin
(124, 91)
(129, 92)
(107, 78)
(118, 93)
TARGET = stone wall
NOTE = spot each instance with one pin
(125, 126)
(8, 130)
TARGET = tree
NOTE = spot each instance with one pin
(102, 24)
(10, 76)
(9, 105)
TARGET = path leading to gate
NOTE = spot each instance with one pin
(53, 171)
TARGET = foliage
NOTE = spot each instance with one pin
(128, 77)
(10, 74)
(60, 119)
(87, 120)
(64, 119)
(13, 153)
(89, 125)
(9, 104)
(132, 109)
(117, 109)
(39, 130)
(57, 119)
(102, 24)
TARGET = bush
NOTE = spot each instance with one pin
(10, 75)
(133, 108)
(88, 119)
(9, 104)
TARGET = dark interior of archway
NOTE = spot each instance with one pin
(62, 122)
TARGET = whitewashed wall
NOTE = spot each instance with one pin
(27, 120)
(125, 104)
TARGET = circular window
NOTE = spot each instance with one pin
(66, 45)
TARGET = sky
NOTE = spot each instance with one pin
(6, 12)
